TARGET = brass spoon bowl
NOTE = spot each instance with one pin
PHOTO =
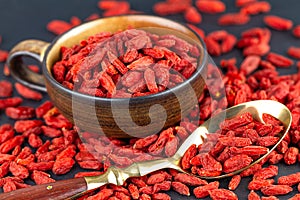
(77, 186)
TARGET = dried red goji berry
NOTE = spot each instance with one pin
(34, 140)
(58, 26)
(180, 188)
(213, 47)
(294, 52)
(10, 102)
(211, 7)
(290, 156)
(279, 60)
(235, 122)
(291, 179)
(236, 162)
(234, 182)
(102, 194)
(259, 50)
(40, 166)
(266, 172)
(190, 153)
(22, 125)
(4, 169)
(296, 31)
(257, 184)
(10, 144)
(62, 166)
(189, 179)
(6, 88)
(145, 142)
(253, 196)
(161, 196)
(28, 93)
(18, 170)
(203, 191)
(221, 194)
(255, 8)
(9, 186)
(199, 31)
(43, 109)
(278, 23)
(3, 55)
(21, 112)
(276, 190)
(40, 177)
(166, 8)
(233, 19)
(250, 64)
(191, 15)
(122, 8)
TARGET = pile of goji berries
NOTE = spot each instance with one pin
(39, 143)
(130, 63)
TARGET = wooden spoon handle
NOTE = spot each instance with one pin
(57, 190)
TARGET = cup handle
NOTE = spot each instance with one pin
(32, 48)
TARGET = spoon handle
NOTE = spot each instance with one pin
(57, 190)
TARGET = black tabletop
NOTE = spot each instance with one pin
(21, 20)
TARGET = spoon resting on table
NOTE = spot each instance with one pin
(75, 187)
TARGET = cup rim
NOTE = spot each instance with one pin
(177, 87)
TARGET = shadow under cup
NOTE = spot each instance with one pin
(126, 117)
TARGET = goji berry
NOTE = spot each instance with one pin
(253, 196)
(211, 7)
(234, 182)
(255, 8)
(291, 179)
(296, 31)
(279, 60)
(189, 179)
(257, 184)
(233, 19)
(18, 170)
(28, 93)
(266, 172)
(294, 52)
(221, 194)
(40, 177)
(58, 26)
(166, 8)
(6, 88)
(21, 112)
(276, 190)
(10, 102)
(278, 23)
(203, 191)
(290, 156)
(62, 166)
(191, 15)
(3, 55)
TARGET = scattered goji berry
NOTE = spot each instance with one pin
(296, 31)
(211, 7)
(278, 23)
(233, 19)
(276, 190)
(279, 60)
(6, 88)
(191, 15)
(28, 93)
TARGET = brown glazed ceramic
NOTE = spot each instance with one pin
(115, 117)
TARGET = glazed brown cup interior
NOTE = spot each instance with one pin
(125, 117)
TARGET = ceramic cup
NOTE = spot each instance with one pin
(113, 117)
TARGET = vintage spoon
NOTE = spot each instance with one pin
(75, 187)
